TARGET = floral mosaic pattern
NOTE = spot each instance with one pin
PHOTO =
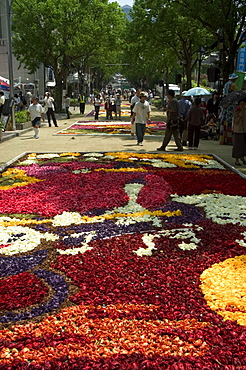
(102, 113)
(122, 261)
(125, 111)
(110, 128)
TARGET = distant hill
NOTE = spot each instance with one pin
(126, 9)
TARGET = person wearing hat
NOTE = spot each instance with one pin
(230, 85)
(227, 112)
(172, 122)
(141, 115)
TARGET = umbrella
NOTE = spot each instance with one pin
(233, 97)
(197, 91)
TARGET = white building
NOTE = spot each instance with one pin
(23, 80)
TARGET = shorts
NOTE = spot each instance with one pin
(36, 121)
(117, 108)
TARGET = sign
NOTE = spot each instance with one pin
(241, 60)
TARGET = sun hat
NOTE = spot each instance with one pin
(233, 76)
(143, 94)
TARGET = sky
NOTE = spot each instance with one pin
(123, 2)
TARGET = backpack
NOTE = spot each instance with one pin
(23, 99)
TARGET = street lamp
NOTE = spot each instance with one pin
(200, 53)
(10, 62)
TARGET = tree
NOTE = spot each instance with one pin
(59, 33)
(165, 30)
(226, 20)
(145, 56)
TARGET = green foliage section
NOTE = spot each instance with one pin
(61, 33)
(74, 102)
(8, 180)
(157, 103)
(225, 19)
(161, 40)
(21, 116)
(164, 36)
(20, 215)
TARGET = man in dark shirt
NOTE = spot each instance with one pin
(172, 122)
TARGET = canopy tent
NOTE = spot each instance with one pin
(4, 86)
(4, 79)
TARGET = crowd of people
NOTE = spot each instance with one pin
(189, 119)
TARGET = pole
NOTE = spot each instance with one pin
(10, 61)
(199, 71)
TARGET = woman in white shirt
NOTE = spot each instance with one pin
(97, 104)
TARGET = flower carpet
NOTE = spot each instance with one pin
(102, 113)
(125, 111)
(110, 128)
(122, 261)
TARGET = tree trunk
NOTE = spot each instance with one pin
(58, 93)
(188, 74)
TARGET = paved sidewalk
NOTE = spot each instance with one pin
(25, 142)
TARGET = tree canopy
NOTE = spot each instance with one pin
(166, 36)
(93, 33)
(225, 19)
(166, 32)
(60, 32)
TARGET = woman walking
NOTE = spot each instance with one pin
(239, 133)
(97, 104)
(195, 119)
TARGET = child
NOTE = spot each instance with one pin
(35, 110)
(212, 125)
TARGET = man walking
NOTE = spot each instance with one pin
(172, 122)
(67, 105)
(141, 114)
(50, 108)
(81, 100)
(134, 100)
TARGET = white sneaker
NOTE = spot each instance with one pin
(141, 144)
(36, 137)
